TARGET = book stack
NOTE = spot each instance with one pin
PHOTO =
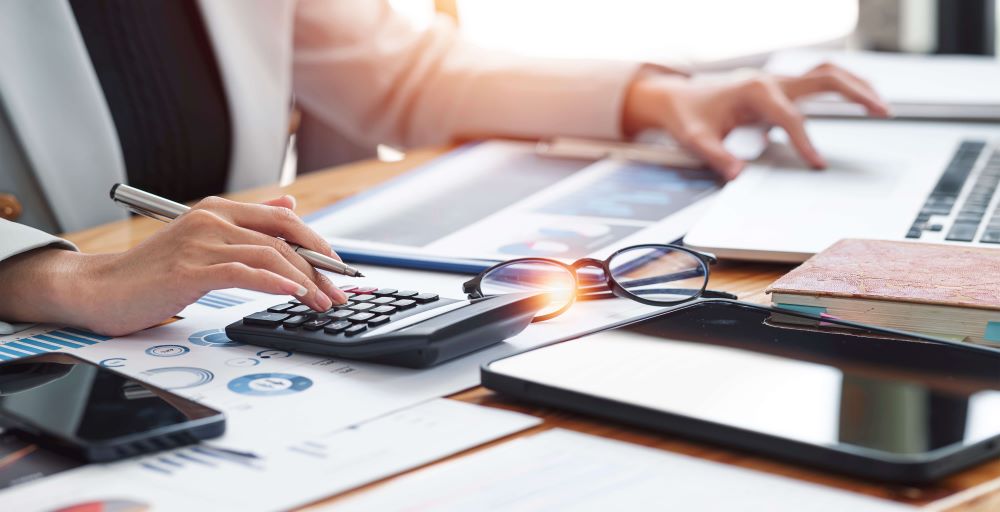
(947, 291)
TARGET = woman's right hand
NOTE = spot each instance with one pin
(217, 244)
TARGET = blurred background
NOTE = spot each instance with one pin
(716, 33)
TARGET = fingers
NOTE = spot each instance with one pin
(771, 103)
(246, 236)
(210, 234)
(234, 274)
(276, 221)
(267, 258)
(710, 148)
(285, 201)
(830, 78)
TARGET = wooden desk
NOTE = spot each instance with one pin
(974, 489)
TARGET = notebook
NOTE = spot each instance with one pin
(941, 290)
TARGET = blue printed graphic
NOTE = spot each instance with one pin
(113, 362)
(213, 338)
(167, 350)
(217, 300)
(53, 341)
(179, 377)
(242, 362)
(269, 384)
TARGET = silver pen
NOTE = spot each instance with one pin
(165, 210)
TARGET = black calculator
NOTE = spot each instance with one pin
(385, 325)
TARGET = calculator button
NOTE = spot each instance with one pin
(404, 303)
(336, 327)
(379, 320)
(348, 287)
(361, 317)
(363, 306)
(402, 294)
(365, 289)
(316, 323)
(340, 314)
(382, 300)
(299, 309)
(424, 298)
(363, 298)
(385, 291)
(383, 310)
(265, 318)
(280, 307)
(355, 329)
(295, 321)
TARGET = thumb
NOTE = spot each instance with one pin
(285, 201)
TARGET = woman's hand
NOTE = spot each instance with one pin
(218, 244)
(699, 116)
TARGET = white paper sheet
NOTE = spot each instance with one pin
(564, 470)
(288, 471)
(314, 395)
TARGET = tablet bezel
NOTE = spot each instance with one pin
(853, 460)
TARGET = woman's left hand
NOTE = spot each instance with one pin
(699, 116)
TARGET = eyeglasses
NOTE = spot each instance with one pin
(652, 274)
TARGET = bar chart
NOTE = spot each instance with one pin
(219, 300)
(32, 343)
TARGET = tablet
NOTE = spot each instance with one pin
(870, 403)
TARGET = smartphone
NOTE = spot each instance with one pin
(97, 414)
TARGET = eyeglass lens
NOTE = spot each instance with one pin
(532, 276)
(659, 273)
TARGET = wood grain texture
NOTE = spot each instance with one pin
(975, 489)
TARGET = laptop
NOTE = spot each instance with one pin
(890, 180)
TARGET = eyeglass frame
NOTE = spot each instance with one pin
(610, 287)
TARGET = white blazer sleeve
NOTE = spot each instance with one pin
(17, 238)
(362, 69)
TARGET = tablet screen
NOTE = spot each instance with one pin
(738, 366)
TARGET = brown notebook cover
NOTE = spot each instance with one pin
(947, 275)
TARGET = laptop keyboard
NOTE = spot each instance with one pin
(974, 209)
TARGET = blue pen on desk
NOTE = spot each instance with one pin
(165, 210)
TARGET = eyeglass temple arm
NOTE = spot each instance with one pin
(676, 276)
(708, 294)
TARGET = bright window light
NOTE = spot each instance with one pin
(419, 12)
(655, 30)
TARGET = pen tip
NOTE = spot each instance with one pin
(359, 274)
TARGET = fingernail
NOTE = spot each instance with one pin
(324, 301)
(301, 291)
(292, 200)
(339, 296)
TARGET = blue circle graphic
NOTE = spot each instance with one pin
(179, 377)
(213, 338)
(242, 362)
(113, 362)
(167, 350)
(269, 384)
